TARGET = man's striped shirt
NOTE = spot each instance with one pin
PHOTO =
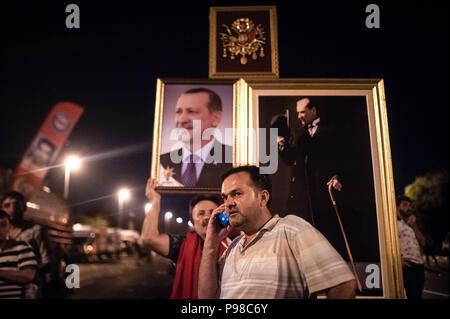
(15, 256)
(288, 258)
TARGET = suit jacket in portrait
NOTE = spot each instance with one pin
(314, 160)
(210, 176)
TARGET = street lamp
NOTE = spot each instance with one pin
(167, 217)
(123, 195)
(72, 163)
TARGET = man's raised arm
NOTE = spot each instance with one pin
(150, 235)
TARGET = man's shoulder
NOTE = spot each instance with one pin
(32, 228)
(293, 223)
(16, 245)
(225, 146)
(165, 158)
(176, 240)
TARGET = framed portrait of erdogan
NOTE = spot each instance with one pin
(194, 140)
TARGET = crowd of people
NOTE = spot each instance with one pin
(296, 256)
(28, 265)
(258, 255)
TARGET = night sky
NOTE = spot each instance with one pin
(110, 65)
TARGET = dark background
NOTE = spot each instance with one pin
(109, 66)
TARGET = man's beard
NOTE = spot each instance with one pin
(405, 214)
(236, 220)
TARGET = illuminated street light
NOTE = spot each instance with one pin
(168, 215)
(179, 220)
(190, 224)
(147, 208)
(72, 163)
(123, 195)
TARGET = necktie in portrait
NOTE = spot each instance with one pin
(189, 177)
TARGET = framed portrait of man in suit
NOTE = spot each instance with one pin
(325, 143)
(193, 141)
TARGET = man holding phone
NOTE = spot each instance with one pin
(275, 257)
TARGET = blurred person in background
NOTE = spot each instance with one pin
(17, 263)
(184, 250)
(47, 278)
(412, 241)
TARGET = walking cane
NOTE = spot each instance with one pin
(345, 237)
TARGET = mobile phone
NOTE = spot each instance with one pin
(222, 219)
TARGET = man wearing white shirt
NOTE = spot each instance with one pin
(200, 165)
(411, 242)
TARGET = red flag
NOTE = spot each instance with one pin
(44, 148)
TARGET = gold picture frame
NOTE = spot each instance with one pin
(247, 50)
(367, 101)
(168, 92)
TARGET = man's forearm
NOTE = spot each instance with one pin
(151, 237)
(345, 290)
(18, 276)
(150, 226)
(208, 279)
(420, 237)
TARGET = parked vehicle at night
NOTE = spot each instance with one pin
(108, 243)
(84, 247)
(129, 241)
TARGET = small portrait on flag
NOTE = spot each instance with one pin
(41, 154)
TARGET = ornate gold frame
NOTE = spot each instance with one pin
(157, 130)
(373, 90)
(213, 74)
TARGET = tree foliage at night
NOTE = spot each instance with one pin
(96, 215)
(430, 197)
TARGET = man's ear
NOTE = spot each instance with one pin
(264, 198)
(217, 117)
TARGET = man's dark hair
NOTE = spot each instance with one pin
(402, 198)
(260, 181)
(313, 102)
(198, 199)
(4, 214)
(43, 140)
(21, 204)
(215, 103)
